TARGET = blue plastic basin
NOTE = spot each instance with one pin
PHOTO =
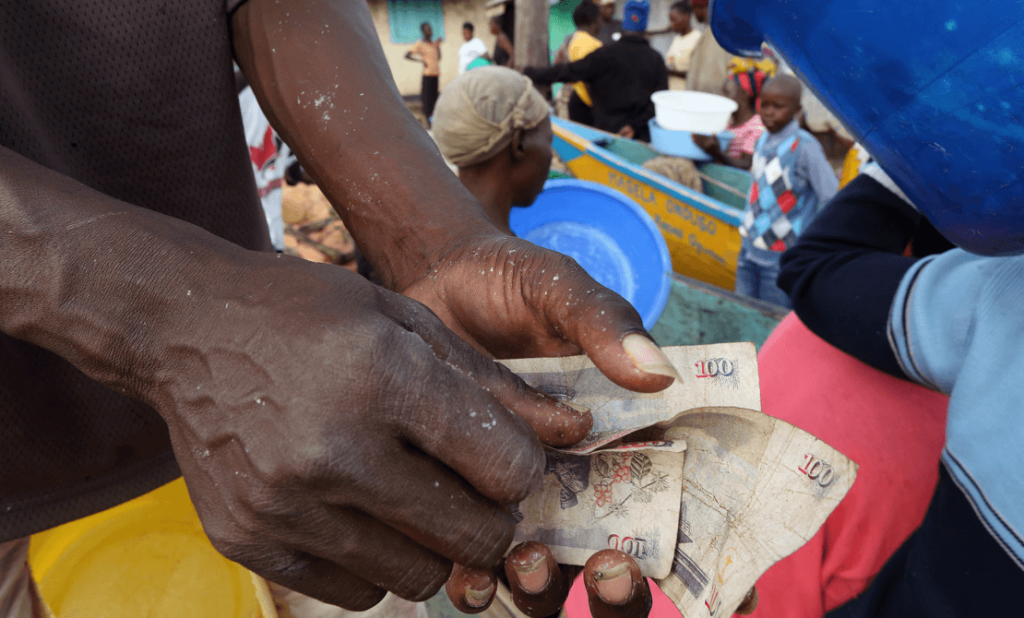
(608, 234)
(934, 91)
(680, 143)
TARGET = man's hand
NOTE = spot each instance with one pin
(514, 299)
(336, 438)
(626, 132)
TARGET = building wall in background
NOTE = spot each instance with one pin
(407, 74)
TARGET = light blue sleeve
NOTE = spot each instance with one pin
(933, 316)
(819, 173)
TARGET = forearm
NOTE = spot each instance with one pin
(92, 279)
(320, 74)
(571, 72)
(843, 273)
(742, 162)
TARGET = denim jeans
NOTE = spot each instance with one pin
(756, 280)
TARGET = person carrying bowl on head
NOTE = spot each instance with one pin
(620, 77)
(792, 182)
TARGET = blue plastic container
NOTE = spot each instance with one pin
(608, 234)
(680, 143)
(934, 91)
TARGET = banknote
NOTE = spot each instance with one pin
(624, 498)
(718, 375)
(755, 489)
(752, 489)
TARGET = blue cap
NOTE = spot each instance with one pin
(634, 15)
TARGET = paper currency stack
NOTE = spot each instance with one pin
(699, 486)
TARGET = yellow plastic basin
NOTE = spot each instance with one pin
(147, 558)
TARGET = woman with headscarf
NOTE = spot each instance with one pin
(493, 125)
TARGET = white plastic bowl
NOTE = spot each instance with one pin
(696, 112)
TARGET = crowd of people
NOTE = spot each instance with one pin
(145, 294)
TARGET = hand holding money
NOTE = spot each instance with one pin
(697, 487)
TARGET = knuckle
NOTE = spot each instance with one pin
(229, 545)
(514, 469)
(422, 580)
(482, 544)
(362, 599)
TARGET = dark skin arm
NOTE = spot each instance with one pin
(582, 70)
(505, 43)
(426, 235)
(710, 145)
(293, 391)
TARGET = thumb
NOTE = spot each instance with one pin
(609, 330)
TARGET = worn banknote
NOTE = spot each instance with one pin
(623, 499)
(755, 489)
(718, 375)
(752, 489)
(611, 491)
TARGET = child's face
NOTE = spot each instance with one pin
(778, 109)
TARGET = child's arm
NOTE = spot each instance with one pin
(845, 270)
(819, 172)
(710, 145)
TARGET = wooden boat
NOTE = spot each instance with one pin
(701, 232)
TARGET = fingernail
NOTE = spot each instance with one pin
(615, 584)
(479, 598)
(576, 406)
(648, 357)
(533, 576)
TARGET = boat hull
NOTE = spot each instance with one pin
(702, 233)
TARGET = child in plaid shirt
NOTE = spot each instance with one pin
(792, 182)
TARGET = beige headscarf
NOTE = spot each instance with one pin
(478, 112)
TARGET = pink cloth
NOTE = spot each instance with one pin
(746, 136)
(893, 429)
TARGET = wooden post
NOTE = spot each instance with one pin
(531, 43)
